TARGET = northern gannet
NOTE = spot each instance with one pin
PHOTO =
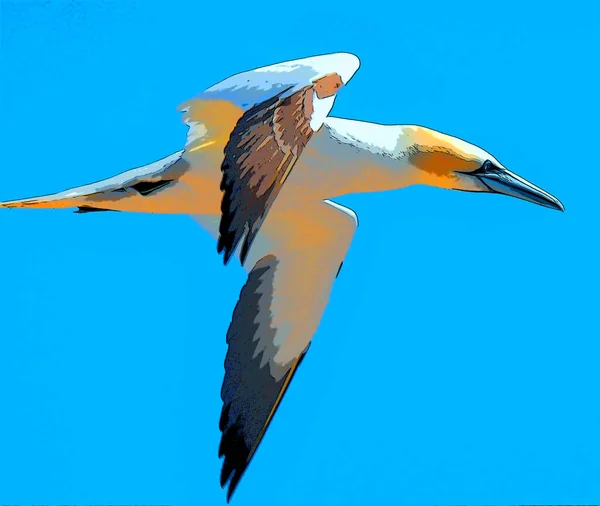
(261, 162)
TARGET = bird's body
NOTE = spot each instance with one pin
(261, 161)
(344, 157)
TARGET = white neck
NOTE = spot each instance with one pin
(362, 157)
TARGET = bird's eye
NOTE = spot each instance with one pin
(486, 167)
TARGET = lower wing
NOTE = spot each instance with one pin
(295, 260)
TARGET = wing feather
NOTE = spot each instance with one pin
(296, 260)
(261, 152)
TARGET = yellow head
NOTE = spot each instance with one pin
(448, 162)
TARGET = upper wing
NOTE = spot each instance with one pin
(296, 258)
(213, 114)
(260, 154)
(281, 107)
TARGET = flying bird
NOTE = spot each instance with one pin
(261, 164)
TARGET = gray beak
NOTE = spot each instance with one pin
(500, 180)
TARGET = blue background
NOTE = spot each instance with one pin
(458, 360)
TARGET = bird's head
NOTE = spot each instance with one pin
(448, 162)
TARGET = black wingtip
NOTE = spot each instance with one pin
(226, 256)
(222, 248)
(233, 447)
(232, 487)
(90, 209)
(236, 452)
(234, 482)
(244, 253)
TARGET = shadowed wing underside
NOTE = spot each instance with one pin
(296, 259)
(262, 150)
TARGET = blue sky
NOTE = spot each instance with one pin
(460, 345)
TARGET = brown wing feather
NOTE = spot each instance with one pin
(261, 153)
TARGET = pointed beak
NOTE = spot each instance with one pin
(500, 180)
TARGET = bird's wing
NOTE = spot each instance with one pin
(262, 119)
(261, 152)
(295, 260)
(212, 114)
(143, 180)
